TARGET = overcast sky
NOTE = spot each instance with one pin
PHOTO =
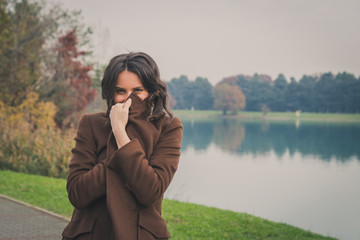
(217, 39)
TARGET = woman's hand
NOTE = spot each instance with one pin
(119, 115)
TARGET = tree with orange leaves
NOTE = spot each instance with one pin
(228, 98)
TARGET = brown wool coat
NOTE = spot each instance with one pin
(117, 193)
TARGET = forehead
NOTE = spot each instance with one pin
(128, 79)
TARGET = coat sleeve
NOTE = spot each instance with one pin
(86, 180)
(148, 179)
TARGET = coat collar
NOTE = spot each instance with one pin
(138, 106)
(138, 109)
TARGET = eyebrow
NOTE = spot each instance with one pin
(117, 87)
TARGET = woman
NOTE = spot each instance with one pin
(124, 159)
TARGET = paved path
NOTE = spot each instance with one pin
(20, 221)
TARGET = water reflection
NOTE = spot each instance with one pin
(324, 140)
(197, 134)
(229, 135)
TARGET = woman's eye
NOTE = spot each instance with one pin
(119, 91)
(138, 90)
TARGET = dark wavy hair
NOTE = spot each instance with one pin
(146, 68)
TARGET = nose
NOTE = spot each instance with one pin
(126, 96)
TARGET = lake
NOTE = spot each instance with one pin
(300, 173)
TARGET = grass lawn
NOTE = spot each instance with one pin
(271, 116)
(185, 220)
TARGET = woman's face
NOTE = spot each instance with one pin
(126, 83)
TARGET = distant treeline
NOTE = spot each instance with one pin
(326, 92)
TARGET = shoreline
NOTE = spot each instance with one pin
(272, 116)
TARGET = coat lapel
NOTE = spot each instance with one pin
(121, 204)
